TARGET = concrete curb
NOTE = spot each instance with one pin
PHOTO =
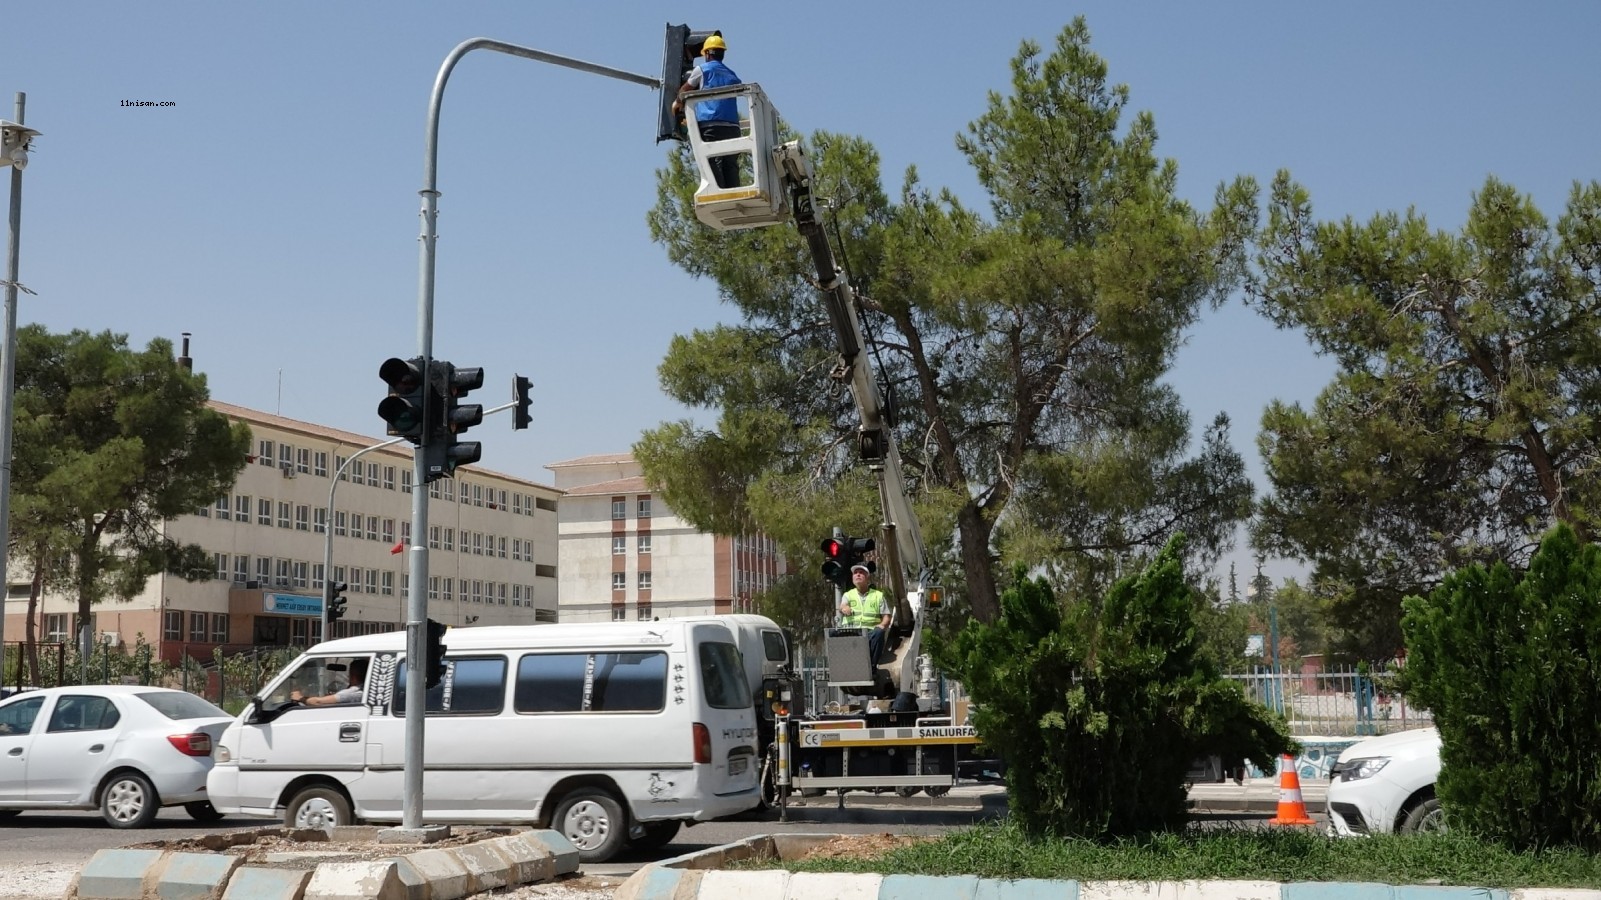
(439, 873)
(697, 876)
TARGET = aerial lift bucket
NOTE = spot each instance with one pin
(758, 199)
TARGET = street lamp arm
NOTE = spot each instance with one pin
(328, 525)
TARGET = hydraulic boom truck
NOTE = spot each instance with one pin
(902, 734)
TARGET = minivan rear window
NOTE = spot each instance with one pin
(591, 682)
(722, 676)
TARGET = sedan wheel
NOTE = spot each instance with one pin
(129, 801)
(202, 811)
(1424, 818)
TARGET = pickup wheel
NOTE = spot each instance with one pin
(594, 821)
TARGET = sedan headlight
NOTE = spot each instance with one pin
(1358, 769)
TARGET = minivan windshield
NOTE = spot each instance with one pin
(722, 676)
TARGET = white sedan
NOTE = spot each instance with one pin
(1386, 785)
(126, 749)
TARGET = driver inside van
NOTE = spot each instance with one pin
(351, 693)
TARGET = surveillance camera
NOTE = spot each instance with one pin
(19, 158)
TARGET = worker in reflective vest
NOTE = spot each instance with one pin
(718, 120)
(865, 606)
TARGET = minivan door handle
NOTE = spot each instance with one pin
(350, 732)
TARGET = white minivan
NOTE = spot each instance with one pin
(612, 733)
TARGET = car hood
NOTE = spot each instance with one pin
(1400, 743)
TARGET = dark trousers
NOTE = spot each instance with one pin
(725, 169)
(875, 644)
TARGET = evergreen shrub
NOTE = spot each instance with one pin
(1100, 708)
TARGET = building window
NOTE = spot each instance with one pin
(171, 626)
(516, 595)
(372, 528)
(516, 504)
(644, 580)
(319, 463)
(264, 512)
(302, 518)
(434, 490)
(220, 561)
(339, 463)
(433, 537)
(644, 612)
(339, 574)
(619, 508)
(204, 512)
(500, 546)
(241, 507)
(478, 543)
(619, 545)
(283, 577)
(546, 505)
(644, 507)
(405, 481)
(300, 569)
(222, 509)
(450, 539)
(447, 590)
(500, 593)
(517, 549)
(355, 578)
(644, 543)
(241, 569)
(478, 495)
(266, 453)
(389, 531)
(450, 488)
(286, 456)
(389, 478)
(264, 570)
(303, 460)
(388, 584)
(219, 627)
(316, 576)
(339, 523)
(372, 581)
(619, 581)
(373, 474)
(283, 514)
(619, 613)
(319, 521)
(197, 626)
(55, 626)
(433, 588)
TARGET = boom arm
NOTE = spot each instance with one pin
(906, 556)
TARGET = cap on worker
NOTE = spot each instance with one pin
(861, 567)
(715, 42)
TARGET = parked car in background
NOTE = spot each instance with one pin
(125, 749)
(1385, 785)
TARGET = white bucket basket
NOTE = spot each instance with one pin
(758, 199)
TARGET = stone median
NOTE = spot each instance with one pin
(353, 870)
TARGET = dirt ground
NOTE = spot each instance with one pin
(867, 846)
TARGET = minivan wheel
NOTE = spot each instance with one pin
(317, 807)
(593, 820)
(129, 801)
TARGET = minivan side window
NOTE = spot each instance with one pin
(591, 682)
(773, 646)
(722, 676)
(472, 686)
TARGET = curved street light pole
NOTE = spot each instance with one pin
(417, 558)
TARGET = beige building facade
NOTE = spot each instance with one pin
(623, 554)
(492, 551)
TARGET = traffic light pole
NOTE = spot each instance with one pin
(328, 526)
(417, 597)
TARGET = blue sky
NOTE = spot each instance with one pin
(272, 211)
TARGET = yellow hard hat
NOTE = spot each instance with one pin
(715, 42)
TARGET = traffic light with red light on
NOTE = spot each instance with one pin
(836, 562)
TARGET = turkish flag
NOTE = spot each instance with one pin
(399, 547)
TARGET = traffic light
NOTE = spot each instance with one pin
(403, 409)
(679, 53)
(836, 562)
(857, 550)
(434, 658)
(445, 450)
(333, 595)
(520, 416)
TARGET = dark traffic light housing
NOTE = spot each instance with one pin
(520, 416)
(841, 554)
(445, 451)
(434, 657)
(679, 53)
(333, 595)
(404, 410)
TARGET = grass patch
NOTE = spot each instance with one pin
(1001, 850)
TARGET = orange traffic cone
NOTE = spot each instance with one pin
(1292, 809)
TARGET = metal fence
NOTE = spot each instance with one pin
(1334, 703)
(229, 679)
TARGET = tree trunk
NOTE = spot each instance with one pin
(977, 568)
